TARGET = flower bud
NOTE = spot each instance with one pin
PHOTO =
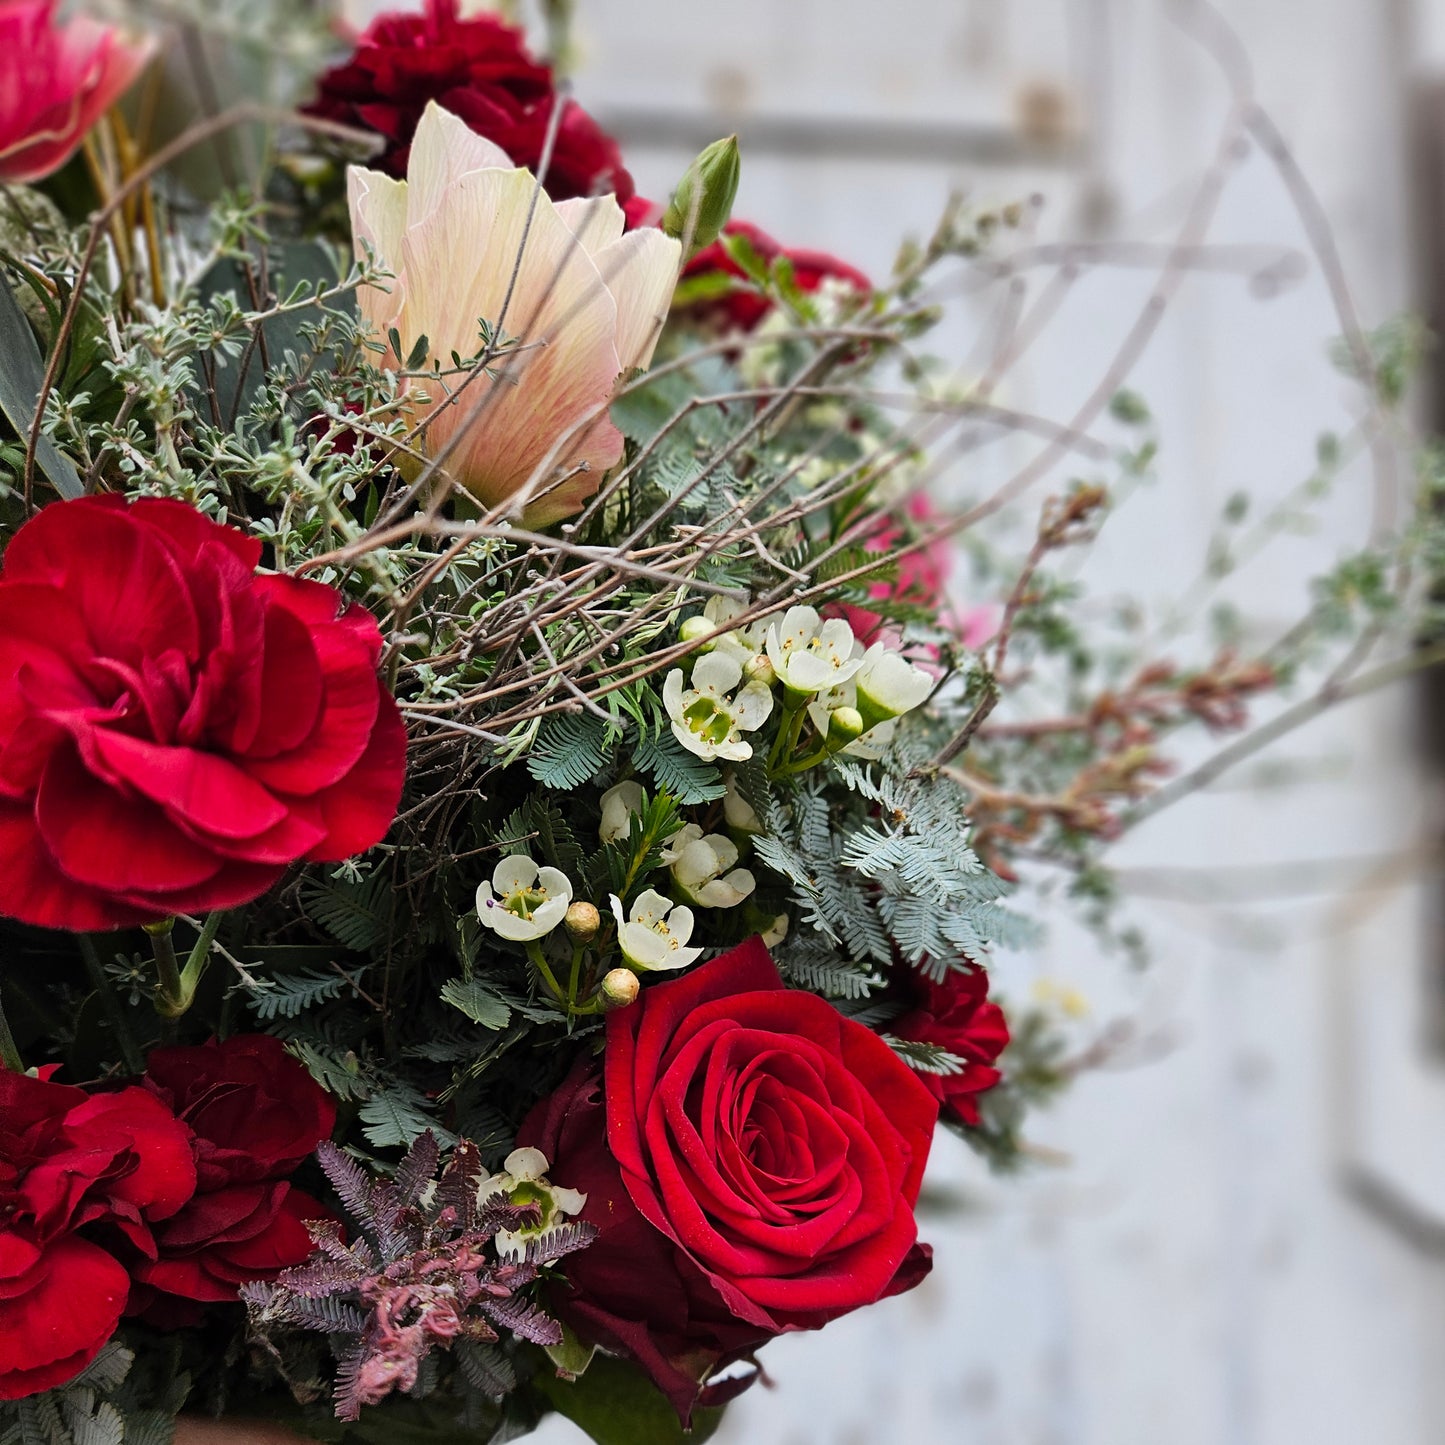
(619, 988)
(760, 669)
(582, 921)
(696, 629)
(845, 724)
(703, 200)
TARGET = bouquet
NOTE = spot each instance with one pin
(504, 824)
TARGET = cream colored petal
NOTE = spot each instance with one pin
(546, 408)
(443, 150)
(640, 271)
(596, 221)
(512, 873)
(378, 218)
(716, 673)
(526, 1163)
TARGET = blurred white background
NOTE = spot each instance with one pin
(1243, 1241)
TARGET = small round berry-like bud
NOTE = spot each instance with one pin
(618, 989)
(845, 724)
(761, 669)
(696, 629)
(582, 921)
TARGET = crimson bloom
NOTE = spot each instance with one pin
(743, 309)
(56, 81)
(480, 70)
(956, 1015)
(176, 731)
(81, 1175)
(255, 1114)
(761, 1159)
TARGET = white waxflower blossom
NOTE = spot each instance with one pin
(703, 866)
(523, 901)
(706, 718)
(653, 934)
(747, 644)
(811, 655)
(775, 932)
(524, 1181)
(874, 742)
(740, 813)
(889, 685)
(618, 806)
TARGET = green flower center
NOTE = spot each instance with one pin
(710, 722)
(525, 901)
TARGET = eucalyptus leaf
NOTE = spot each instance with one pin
(22, 374)
(616, 1404)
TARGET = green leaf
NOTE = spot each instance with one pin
(675, 770)
(570, 749)
(616, 1404)
(22, 374)
(477, 1001)
(394, 1117)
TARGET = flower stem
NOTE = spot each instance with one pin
(199, 958)
(110, 1005)
(171, 1002)
(9, 1053)
(534, 952)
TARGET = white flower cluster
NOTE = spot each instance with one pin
(523, 1180)
(847, 689)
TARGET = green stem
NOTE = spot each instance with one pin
(171, 1002)
(9, 1052)
(534, 952)
(574, 978)
(125, 1041)
(199, 958)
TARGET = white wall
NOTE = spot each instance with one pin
(1197, 1274)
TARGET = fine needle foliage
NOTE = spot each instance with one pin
(423, 1275)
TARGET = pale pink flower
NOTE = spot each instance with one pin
(582, 306)
(56, 81)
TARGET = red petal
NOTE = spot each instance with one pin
(210, 794)
(357, 811)
(124, 579)
(121, 845)
(51, 1332)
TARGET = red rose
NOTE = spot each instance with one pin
(57, 81)
(110, 1165)
(743, 309)
(255, 1114)
(176, 731)
(763, 1156)
(957, 1016)
(480, 70)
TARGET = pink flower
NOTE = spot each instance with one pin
(56, 81)
(923, 580)
(469, 239)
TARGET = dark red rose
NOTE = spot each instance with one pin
(762, 1158)
(480, 70)
(255, 1114)
(742, 309)
(957, 1016)
(175, 730)
(255, 1110)
(78, 1172)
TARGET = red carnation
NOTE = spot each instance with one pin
(956, 1015)
(742, 309)
(256, 1114)
(80, 1174)
(758, 1172)
(479, 69)
(176, 731)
